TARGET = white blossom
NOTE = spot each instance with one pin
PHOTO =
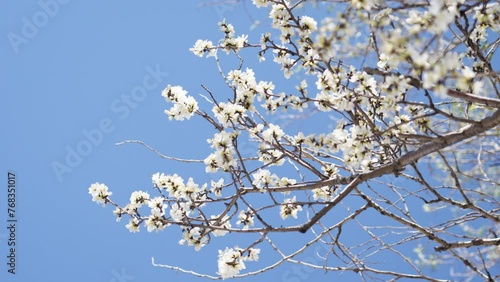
(230, 263)
(138, 198)
(155, 221)
(308, 24)
(227, 113)
(216, 186)
(273, 133)
(194, 237)
(260, 3)
(245, 218)
(203, 46)
(133, 225)
(180, 210)
(223, 222)
(263, 178)
(290, 208)
(324, 193)
(184, 106)
(99, 193)
(157, 206)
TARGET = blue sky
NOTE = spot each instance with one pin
(73, 73)
(78, 72)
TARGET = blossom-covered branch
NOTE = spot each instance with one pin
(382, 112)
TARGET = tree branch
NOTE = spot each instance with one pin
(468, 244)
(490, 102)
(430, 147)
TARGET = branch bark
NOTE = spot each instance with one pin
(430, 147)
(468, 244)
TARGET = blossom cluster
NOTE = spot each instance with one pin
(232, 260)
(227, 44)
(184, 106)
(183, 199)
(379, 113)
(224, 156)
